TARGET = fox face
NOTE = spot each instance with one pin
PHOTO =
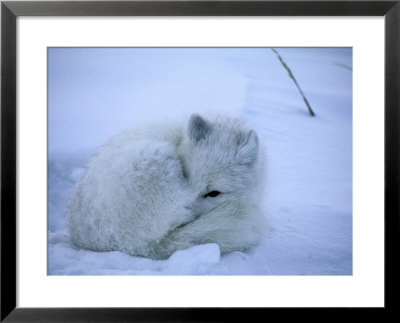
(221, 160)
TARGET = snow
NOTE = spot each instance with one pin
(95, 93)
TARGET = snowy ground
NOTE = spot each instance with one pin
(96, 93)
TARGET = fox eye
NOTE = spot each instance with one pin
(212, 194)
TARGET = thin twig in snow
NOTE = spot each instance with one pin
(295, 81)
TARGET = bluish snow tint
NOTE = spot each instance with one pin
(96, 93)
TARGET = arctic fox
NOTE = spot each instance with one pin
(152, 191)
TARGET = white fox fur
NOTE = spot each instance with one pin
(145, 191)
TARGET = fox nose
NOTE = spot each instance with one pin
(194, 206)
(194, 211)
(194, 217)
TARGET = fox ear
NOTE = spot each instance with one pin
(248, 148)
(198, 128)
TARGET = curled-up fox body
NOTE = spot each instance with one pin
(151, 191)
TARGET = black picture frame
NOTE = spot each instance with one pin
(10, 10)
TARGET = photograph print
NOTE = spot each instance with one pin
(200, 161)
